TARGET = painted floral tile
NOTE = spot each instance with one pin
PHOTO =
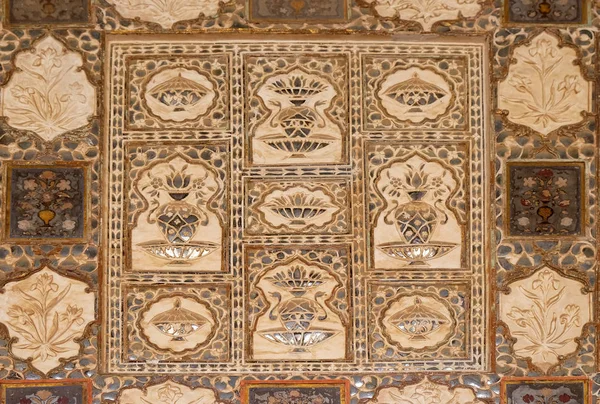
(46, 201)
(567, 390)
(70, 391)
(545, 199)
(295, 392)
(546, 12)
(317, 11)
(30, 12)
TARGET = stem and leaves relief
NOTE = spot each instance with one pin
(49, 93)
(45, 314)
(545, 313)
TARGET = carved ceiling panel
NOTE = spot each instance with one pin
(299, 202)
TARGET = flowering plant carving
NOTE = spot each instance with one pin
(425, 392)
(46, 314)
(542, 89)
(168, 393)
(49, 94)
(166, 12)
(546, 314)
(426, 12)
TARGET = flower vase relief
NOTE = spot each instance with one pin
(178, 229)
(416, 228)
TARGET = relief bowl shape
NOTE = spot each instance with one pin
(178, 322)
(179, 93)
(418, 321)
(297, 122)
(416, 254)
(300, 340)
(298, 147)
(298, 207)
(416, 93)
(181, 253)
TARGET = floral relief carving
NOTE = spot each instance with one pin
(278, 205)
(168, 392)
(544, 90)
(46, 313)
(49, 93)
(424, 12)
(545, 313)
(415, 94)
(167, 12)
(177, 228)
(300, 323)
(417, 192)
(179, 94)
(297, 115)
(425, 392)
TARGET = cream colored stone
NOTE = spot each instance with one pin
(154, 245)
(426, 12)
(179, 94)
(544, 89)
(299, 129)
(48, 94)
(425, 392)
(46, 312)
(415, 94)
(421, 226)
(299, 312)
(166, 12)
(177, 323)
(418, 322)
(545, 312)
(315, 207)
(168, 392)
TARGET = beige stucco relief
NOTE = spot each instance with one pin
(425, 392)
(49, 93)
(545, 313)
(166, 12)
(46, 312)
(544, 89)
(168, 392)
(425, 12)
